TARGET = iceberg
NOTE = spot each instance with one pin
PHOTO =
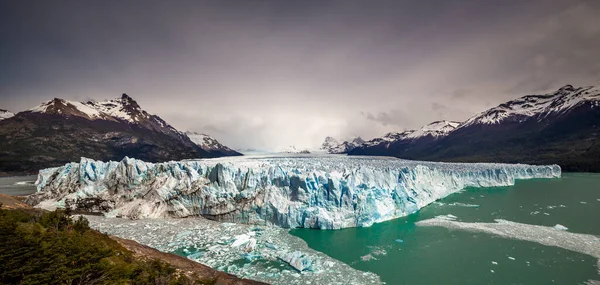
(314, 191)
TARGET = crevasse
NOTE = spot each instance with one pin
(325, 192)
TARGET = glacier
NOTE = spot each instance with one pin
(309, 191)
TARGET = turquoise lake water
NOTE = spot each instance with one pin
(402, 253)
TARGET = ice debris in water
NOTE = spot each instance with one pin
(375, 251)
(324, 192)
(449, 217)
(298, 260)
(267, 254)
(511, 258)
(560, 227)
(549, 236)
(464, 205)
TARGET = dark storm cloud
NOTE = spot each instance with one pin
(397, 118)
(268, 74)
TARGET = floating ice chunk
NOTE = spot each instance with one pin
(240, 240)
(511, 258)
(368, 257)
(399, 241)
(298, 260)
(251, 257)
(464, 205)
(449, 217)
(582, 202)
(560, 227)
(491, 270)
(494, 263)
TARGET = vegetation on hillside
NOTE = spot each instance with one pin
(53, 248)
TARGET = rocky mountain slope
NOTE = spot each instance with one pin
(561, 127)
(59, 131)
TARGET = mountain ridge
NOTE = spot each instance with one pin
(59, 131)
(560, 127)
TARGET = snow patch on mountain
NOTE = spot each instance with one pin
(5, 114)
(124, 108)
(207, 142)
(435, 129)
(388, 138)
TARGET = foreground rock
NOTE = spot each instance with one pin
(325, 192)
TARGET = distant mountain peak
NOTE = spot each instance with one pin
(331, 145)
(568, 88)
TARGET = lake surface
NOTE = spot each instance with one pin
(18, 185)
(402, 253)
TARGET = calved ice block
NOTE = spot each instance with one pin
(324, 192)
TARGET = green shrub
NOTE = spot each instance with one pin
(54, 248)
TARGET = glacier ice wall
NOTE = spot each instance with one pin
(325, 192)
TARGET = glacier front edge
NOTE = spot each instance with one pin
(324, 192)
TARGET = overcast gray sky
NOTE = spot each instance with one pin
(268, 74)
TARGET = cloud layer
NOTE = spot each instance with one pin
(269, 74)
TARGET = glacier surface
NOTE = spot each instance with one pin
(310, 191)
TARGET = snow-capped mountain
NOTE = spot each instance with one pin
(123, 109)
(210, 144)
(435, 130)
(293, 149)
(4, 114)
(59, 131)
(538, 106)
(561, 127)
(331, 145)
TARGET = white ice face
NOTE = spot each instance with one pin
(325, 192)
